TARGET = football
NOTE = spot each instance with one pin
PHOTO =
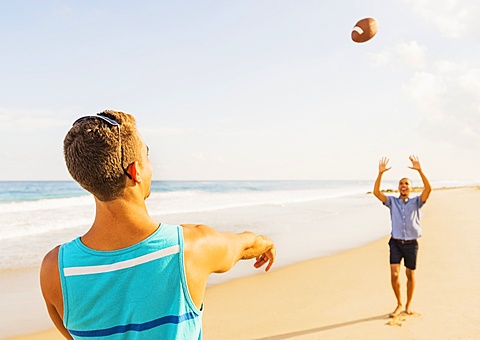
(364, 30)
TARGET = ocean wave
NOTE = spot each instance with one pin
(197, 201)
(45, 204)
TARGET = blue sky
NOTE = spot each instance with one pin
(246, 90)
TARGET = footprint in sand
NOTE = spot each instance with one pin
(398, 320)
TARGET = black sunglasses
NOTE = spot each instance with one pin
(112, 123)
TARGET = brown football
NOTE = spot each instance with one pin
(364, 30)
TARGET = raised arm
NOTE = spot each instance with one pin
(208, 251)
(426, 184)
(382, 167)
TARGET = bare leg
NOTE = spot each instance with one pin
(395, 280)
(410, 289)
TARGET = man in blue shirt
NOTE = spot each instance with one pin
(405, 216)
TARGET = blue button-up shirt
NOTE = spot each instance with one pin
(405, 217)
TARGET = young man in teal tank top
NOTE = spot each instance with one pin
(130, 276)
(405, 217)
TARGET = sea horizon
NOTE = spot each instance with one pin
(23, 192)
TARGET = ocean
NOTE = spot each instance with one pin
(305, 219)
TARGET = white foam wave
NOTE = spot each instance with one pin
(45, 204)
(196, 201)
(41, 217)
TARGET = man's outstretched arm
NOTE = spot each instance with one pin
(426, 184)
(208, 251)
(225, 249)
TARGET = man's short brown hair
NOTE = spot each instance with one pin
(93, 155)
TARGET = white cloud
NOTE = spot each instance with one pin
(427, 90)
(445, 66)
(27, 121)
(444, 93)
(448, 104)
(470, 82)
(408, 54)
(412, 54)
(453, 18)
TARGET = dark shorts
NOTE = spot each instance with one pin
(407, 251)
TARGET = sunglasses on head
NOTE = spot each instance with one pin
(111, 122)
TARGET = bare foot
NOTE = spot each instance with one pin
(395, 312)
(408, 310)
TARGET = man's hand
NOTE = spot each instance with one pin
(268, 256)
(262, 249)
(415, 163)
(383, 165)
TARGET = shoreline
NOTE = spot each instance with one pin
(348, 294)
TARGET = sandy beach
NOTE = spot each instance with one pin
(348, 295)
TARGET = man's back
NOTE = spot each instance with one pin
(96, 283)
(139, 292)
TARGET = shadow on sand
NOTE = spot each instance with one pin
(324, 328)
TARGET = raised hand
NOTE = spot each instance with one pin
(415, 163)
(383, 165)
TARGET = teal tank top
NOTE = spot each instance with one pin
(139, 292)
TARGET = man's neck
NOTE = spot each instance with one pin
(119, 224)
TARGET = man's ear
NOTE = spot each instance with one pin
(132, 170)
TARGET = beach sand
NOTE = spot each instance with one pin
(348, 295)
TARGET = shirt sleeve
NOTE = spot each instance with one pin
(388, 202)
(420, 203)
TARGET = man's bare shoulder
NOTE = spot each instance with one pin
(49, 268)
(197, 230)
(50, 276)
(51, 258)
(203, 239)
